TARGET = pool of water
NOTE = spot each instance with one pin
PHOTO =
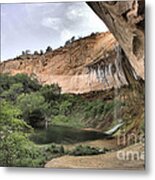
(65, 135)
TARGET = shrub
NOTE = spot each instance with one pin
(41, 52)
(27, 52)
(86, 150)
(65, 107)
(23, 53)
(13, 92)
(14, 144)
(6, 81)
(29, 84)
(10, 120)
(36, 53)
(49, 49)
(67, 42)
(51, 92)
(17, 150)
(55, 149)
(60, 120)
(72, 39)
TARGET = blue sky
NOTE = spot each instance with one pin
(35, 26)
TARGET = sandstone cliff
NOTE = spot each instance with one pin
(95, 62)
(126, 21)
(84, 65)
(70, 66)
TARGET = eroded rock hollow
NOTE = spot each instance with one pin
(126, 21)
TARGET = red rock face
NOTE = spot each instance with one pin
(94, 62)
(88, 64)
(126, 21)
(68, 66)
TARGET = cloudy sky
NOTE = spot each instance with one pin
(35, 26)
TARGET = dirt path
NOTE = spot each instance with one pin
(129, 158)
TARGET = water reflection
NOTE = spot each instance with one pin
(65, 135)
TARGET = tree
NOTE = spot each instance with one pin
(23, 53)
(51, 92)
(29, 84)
(34, 109)
(13, 92)
(65, 107)
(12, 134)
(92, 34)
(6, 82)
(10, 121)
(67, 42)
(36, 53)
(12, 86)
(49, 49)
(27, 52)
(14, 149)
(41, 52)
(73, 39)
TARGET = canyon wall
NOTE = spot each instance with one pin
(95, 62)
(126, 21)
(70, 66)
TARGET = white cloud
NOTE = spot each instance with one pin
(48, 23)
(51, 22)
(74, 13)
(84, 19)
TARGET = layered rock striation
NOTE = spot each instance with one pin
(126, 21)
(89, 64)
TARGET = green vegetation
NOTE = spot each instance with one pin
(55, 149)
(15, 147)
(81, 150)
(33, 116)
(14, 144)
(34, 108)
